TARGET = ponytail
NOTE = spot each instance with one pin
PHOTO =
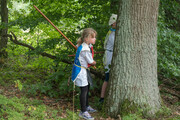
(80, 41)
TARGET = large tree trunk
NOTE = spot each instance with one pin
(3, 31)
(133, 76)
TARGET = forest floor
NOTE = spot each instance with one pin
(169, 96)
(14, 102)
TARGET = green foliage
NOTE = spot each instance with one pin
(163, 112)
(26, 109)
(170, 11)
(15, 108)
(72, 18)
(18, 68)
(168, 51)
(71, 115)
(18, 84)
(129, 107)
(132, 117)
(60, 80)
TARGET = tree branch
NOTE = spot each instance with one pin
(32, 48)
(95, 72)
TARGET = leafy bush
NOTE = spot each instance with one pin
(168, 52)
(168, 39)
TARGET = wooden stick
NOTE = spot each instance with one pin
(55, 27)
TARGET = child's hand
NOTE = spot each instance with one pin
(94, 63)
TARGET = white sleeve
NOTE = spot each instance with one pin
(88, 56)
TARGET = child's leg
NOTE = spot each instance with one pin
(104, 86)
(83, 98)
(87, 102)
(103, 90)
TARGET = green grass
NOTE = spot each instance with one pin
(26, 109)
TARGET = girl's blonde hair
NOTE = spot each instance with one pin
(86, 33)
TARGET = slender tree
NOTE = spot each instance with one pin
(4, 29)
(133, 76)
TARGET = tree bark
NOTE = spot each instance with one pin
(3, 31)
(133, 77)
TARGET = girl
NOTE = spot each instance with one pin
(80, 73)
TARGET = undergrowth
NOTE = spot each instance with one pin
(26, 109)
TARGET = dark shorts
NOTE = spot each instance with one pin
(106, 77)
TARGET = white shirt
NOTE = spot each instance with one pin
(85, 58)
(109, 42)
(108, 46)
